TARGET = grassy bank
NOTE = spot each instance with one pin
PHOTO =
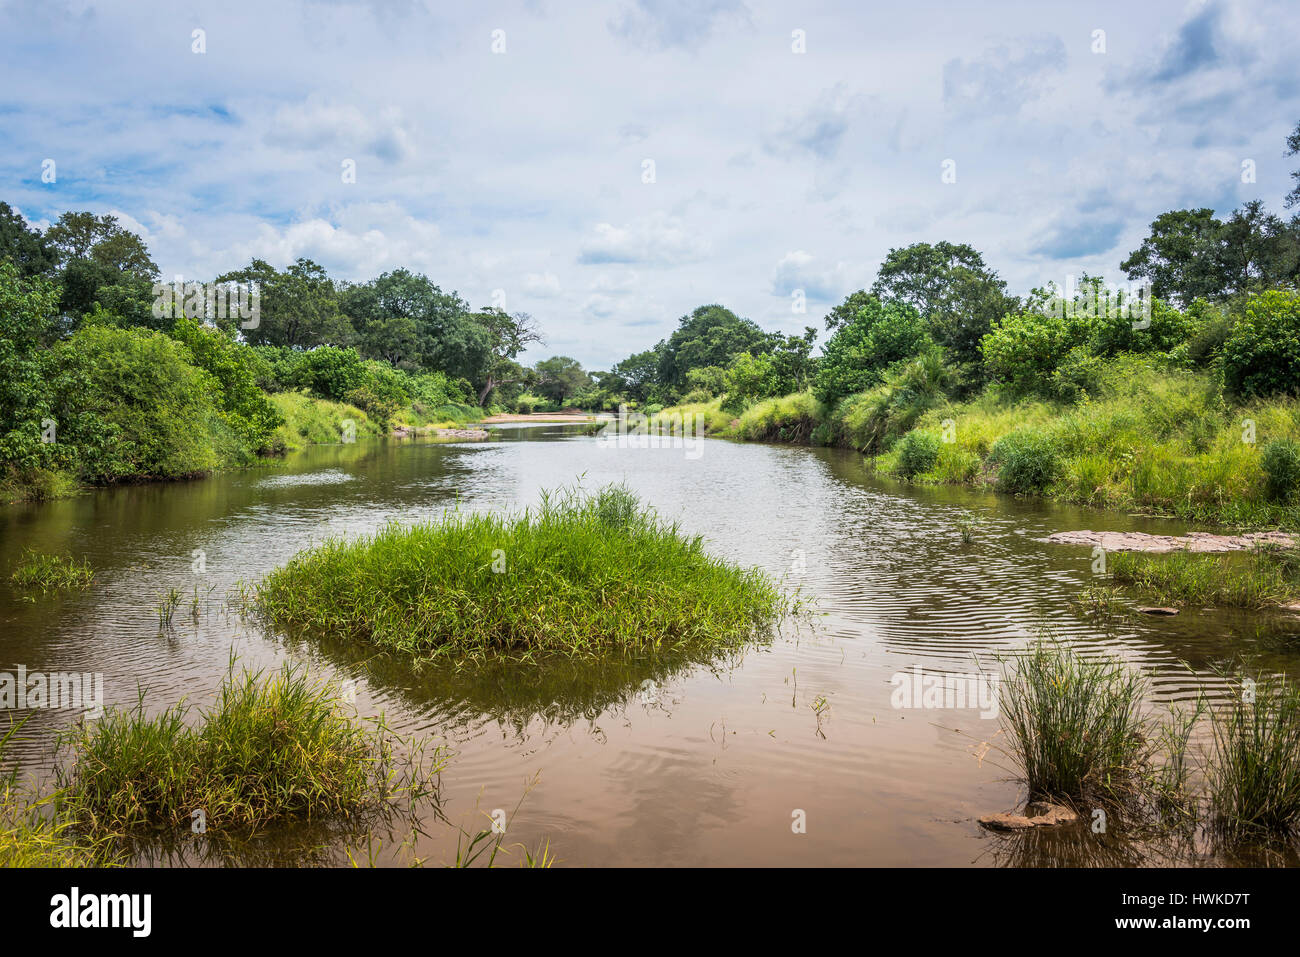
(611, 578)
(1146, 438)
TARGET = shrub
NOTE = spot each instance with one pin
(1280, 460)
(133, 406)
(1262, 354)
(917, 452)
(856, 357)
(1028, 462)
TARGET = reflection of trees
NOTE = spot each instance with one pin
(557, 691)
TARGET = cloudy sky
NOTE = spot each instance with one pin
(608, 166)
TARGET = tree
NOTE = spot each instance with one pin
(959, 297)
(101, 262)
(847, 311)
(299, 306)
(561, 377)
(1190, 254)
(486, 348)
(637, 374)
(856, 357)
(27, 329)
(710, 336)
(25, 247)
(403, 318)
(1292, 148)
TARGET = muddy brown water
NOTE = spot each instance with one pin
(712, 765)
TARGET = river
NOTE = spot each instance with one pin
(716, 766)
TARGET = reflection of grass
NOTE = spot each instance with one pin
(551, 689)
(582, 576)
(50, 572)
(268, 751)
(1263, 578)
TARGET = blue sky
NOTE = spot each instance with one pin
(524, 171)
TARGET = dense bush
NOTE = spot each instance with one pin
(132, 405)
(856, 357)
(917, 453)
(245, 407)
(1262, 354)
(1028, 462)
(1280, 460)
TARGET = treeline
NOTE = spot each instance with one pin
(1219, 293)
(108, 373)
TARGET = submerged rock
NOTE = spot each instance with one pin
(1192, 541)
(1037, 814)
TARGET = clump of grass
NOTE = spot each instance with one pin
(1100, 601)
(267, 751)
(34, 834)
(917, 452)
(1280, 460)
(582, 575)
(50, 572)
(1254, 771)
(1265, 577)
(1074, 725)
(1028, 462)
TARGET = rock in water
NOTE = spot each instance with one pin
(1037, 814)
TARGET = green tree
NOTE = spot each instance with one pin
(25, 247)
(960, 298)
(856, 357)
(560, 378)
(710, 336)
(102, 263)
(299, 306)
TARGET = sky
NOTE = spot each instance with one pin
(609, 166)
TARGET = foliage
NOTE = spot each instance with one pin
(1262, 354)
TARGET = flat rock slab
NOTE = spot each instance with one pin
(1191, 542)
(1152, 610)
(1037, 814)
(462, 433)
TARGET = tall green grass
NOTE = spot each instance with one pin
(1254, 774)
(50, 572)
(581, 575)
(1074, 725)
(1262, 578)
(270, 749)
(33, 833)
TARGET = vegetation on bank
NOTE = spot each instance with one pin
(1262, 578)
(582, 575)
(269, 750)
(1078, 733)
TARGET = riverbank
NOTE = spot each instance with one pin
(1146, 439)
(303, 420)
